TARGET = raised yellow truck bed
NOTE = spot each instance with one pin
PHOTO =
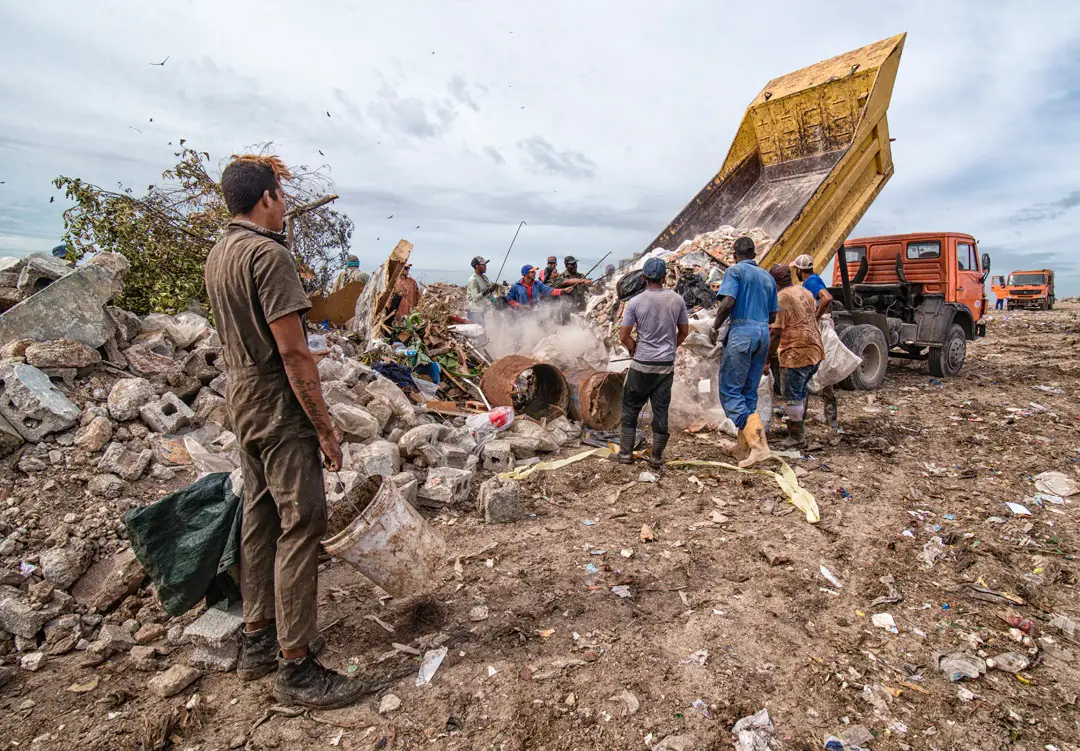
(809, 158)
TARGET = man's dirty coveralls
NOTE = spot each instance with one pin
(747, 346)
(251, 280)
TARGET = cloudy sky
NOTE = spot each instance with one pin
(593, 122)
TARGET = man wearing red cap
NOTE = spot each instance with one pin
(550, 274)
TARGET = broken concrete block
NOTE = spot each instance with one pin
(10, 439)
(70, 308)
(32, 661)
(499, 501)
(445, 485)
(127, 396)
(32, 404)
(113, 639)
(10, 269)
(498, 456)
(457, 457)
(19, 617)
(39, 271)
(355, 422)
(218, 659)
(378, 457)
(94, 435)
(128, 326)
(62, 634)
(143, 361)
(336, 392)
(61, 353)
(354, 372)
(155, 340)
(109, 581)
(216, 627)
(167, 415)
(330, 370)
(183, 385)
(114, 262)
(204, 364)
(173, 681)
(407, 485)
(219, 384)
(211, 409)
(144, 658)
(64, 565)
(106, 486)
(129, 465)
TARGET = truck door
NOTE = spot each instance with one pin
(970, 290)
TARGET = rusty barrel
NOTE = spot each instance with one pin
(548, 395)
(596, 398)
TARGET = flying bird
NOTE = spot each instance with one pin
(523, 106)
(134, 128)
(52, 198)
(390, 217)
(163, 61)
(151, 119)
(328, 113)
(418, 226)
(320, 152)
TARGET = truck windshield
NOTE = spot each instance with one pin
(1020, 280)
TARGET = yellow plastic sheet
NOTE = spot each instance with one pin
(523, 472)
(799, 496)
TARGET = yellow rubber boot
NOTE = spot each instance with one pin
(739, 450)
(755, 438)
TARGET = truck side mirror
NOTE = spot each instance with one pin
(986, 262)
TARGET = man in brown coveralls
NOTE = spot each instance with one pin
(281, 422)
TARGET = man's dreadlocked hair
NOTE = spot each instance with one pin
(247, 176)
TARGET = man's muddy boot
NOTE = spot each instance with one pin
(796, 434)
(306, 683)
(258, 653)
(755, 438)
(659, 443)
(739, 449)
(831, 414)
(626, 447)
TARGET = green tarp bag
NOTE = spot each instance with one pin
(189, 543)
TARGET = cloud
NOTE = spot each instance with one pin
(411, 115)
(1049, 210)
(493, 154)
(460, 91)
(542, 156)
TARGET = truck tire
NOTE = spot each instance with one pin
(869, 344)
(947, 360)
(1050, 304)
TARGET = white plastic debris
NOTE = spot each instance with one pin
(885, 621)
(1056, 483)
(831, 578)
(432, 660)
(1018, 509)
(755, 732)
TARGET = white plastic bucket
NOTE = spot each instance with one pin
(391, 544)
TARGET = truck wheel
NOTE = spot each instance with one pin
(945, 361)
(868, 343)
(1050, 304)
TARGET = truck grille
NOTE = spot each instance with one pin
(1025, 292)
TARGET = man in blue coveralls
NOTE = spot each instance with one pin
(748, 296)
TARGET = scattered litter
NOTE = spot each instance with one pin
(964, 694)
(799, 496)
(647, 535)
(989, 595)
(699, 657)
(588, 522)
(931, 551)
(1056, 483)
(622, 591)
(755, 732)
(1049, 390)
(479, 613)
(892, 597)
(647, 477)
(829, 576)
(627, 552)
(492, 671)
(388, 704)
(382, 624)
(545, 633)
(1018, 509)
(1064, 624)
(432, 660)
(962, 664)
(591, 568)
(702, 707)
(1040, 499)
(1010, 662)
(885, 621)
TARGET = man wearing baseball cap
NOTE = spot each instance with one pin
(526, 292)
(550, 272)
(662, 325)
(479, 290)
(812, 283)
(578, 295)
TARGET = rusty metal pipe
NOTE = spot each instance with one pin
(550, 396)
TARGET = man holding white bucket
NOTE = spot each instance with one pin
(281, 422)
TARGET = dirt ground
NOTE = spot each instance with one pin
(727, 606)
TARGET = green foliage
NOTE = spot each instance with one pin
(167, 233)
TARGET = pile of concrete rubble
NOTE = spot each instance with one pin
(100, 405)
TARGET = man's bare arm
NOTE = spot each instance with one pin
(824, 302)
(626, 339)
(288, 332)
(723, 310)
(684, 331)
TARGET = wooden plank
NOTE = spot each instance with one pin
(399, 256)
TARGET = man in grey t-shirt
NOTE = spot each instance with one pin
(662, 324)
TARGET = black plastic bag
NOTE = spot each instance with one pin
(630, 285)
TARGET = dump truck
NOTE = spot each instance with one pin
(811, 154)
(1030, 289)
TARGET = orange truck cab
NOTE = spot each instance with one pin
(1030, 289)
(917, 296)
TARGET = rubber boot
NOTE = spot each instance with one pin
(739, 450)
(627, 438)
(796, 434)
(305, 682)
(831, 413)
(659, 443)
(259, 652)
(755, 438)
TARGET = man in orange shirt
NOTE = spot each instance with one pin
(794, 337)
